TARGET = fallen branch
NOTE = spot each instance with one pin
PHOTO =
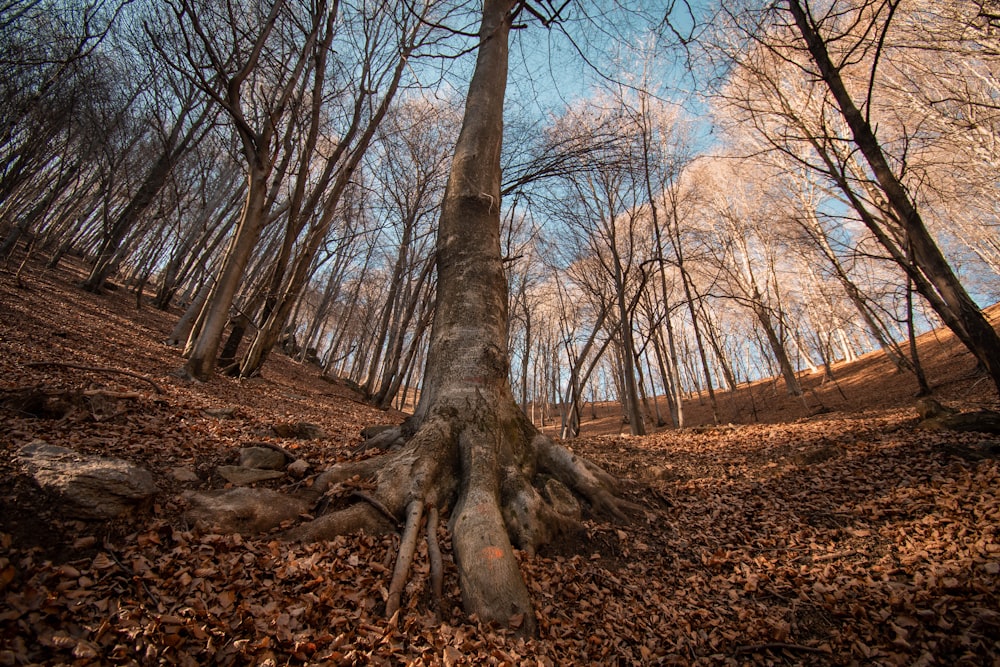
(118, 395)
(96, 369)
(833, 556)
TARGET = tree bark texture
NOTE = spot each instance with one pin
(204, 347)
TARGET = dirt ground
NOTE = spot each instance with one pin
(829, 530)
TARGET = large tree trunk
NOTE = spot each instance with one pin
(468, 446)
(466, 389)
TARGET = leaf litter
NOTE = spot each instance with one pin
(848, 538)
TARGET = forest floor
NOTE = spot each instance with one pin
(833, 531)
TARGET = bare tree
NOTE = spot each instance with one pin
(178, 118)
(603, 207)
(745, 250)
(255, 83)
(468, 446)
(62, 114)
(835, 59)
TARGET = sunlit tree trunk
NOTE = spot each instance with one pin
(961, 314)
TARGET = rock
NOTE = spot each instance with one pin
(935, 417)
(980, 421)
(298, 469)
(220, 413)
(242, 510)
(562, 499)
(94, 487)
(813, 455)
(660, 474)
(369, 432)
(243, 476)
(974, 451)
(264, 458)
(184, 474)
(929, 408)
(299, 430)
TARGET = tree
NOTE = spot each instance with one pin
(62, 110)
(244, 71)
(468, 446)
(171, 138)
(745, 250)
(680, 197)
(603, 207)
(819, 96)
(391, 35)
(408, 167)
(959, 312)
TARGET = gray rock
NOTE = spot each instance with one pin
(562, 499)
(93, 487)
(264, 458)
(184, 474)
(220, 413)
(300, 430)
(242, 510)
(242, 476)
(298, 469)
(658, 474)
(369, 432)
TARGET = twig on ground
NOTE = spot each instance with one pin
(137, 579)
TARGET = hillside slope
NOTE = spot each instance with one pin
(868, 383)
(847, 537)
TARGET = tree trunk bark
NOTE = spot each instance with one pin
(777, 349)
(203, 350)
(468, 446)
(418, 295)
(629, 367)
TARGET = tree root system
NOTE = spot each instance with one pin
(520, 490)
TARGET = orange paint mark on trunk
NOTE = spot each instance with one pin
(491, 553)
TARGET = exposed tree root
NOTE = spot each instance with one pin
(382, 438)
(352, 519)
(507, 486)
(407, 547)
(434, 556)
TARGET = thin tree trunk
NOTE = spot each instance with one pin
(961, 314)
(203, 350)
